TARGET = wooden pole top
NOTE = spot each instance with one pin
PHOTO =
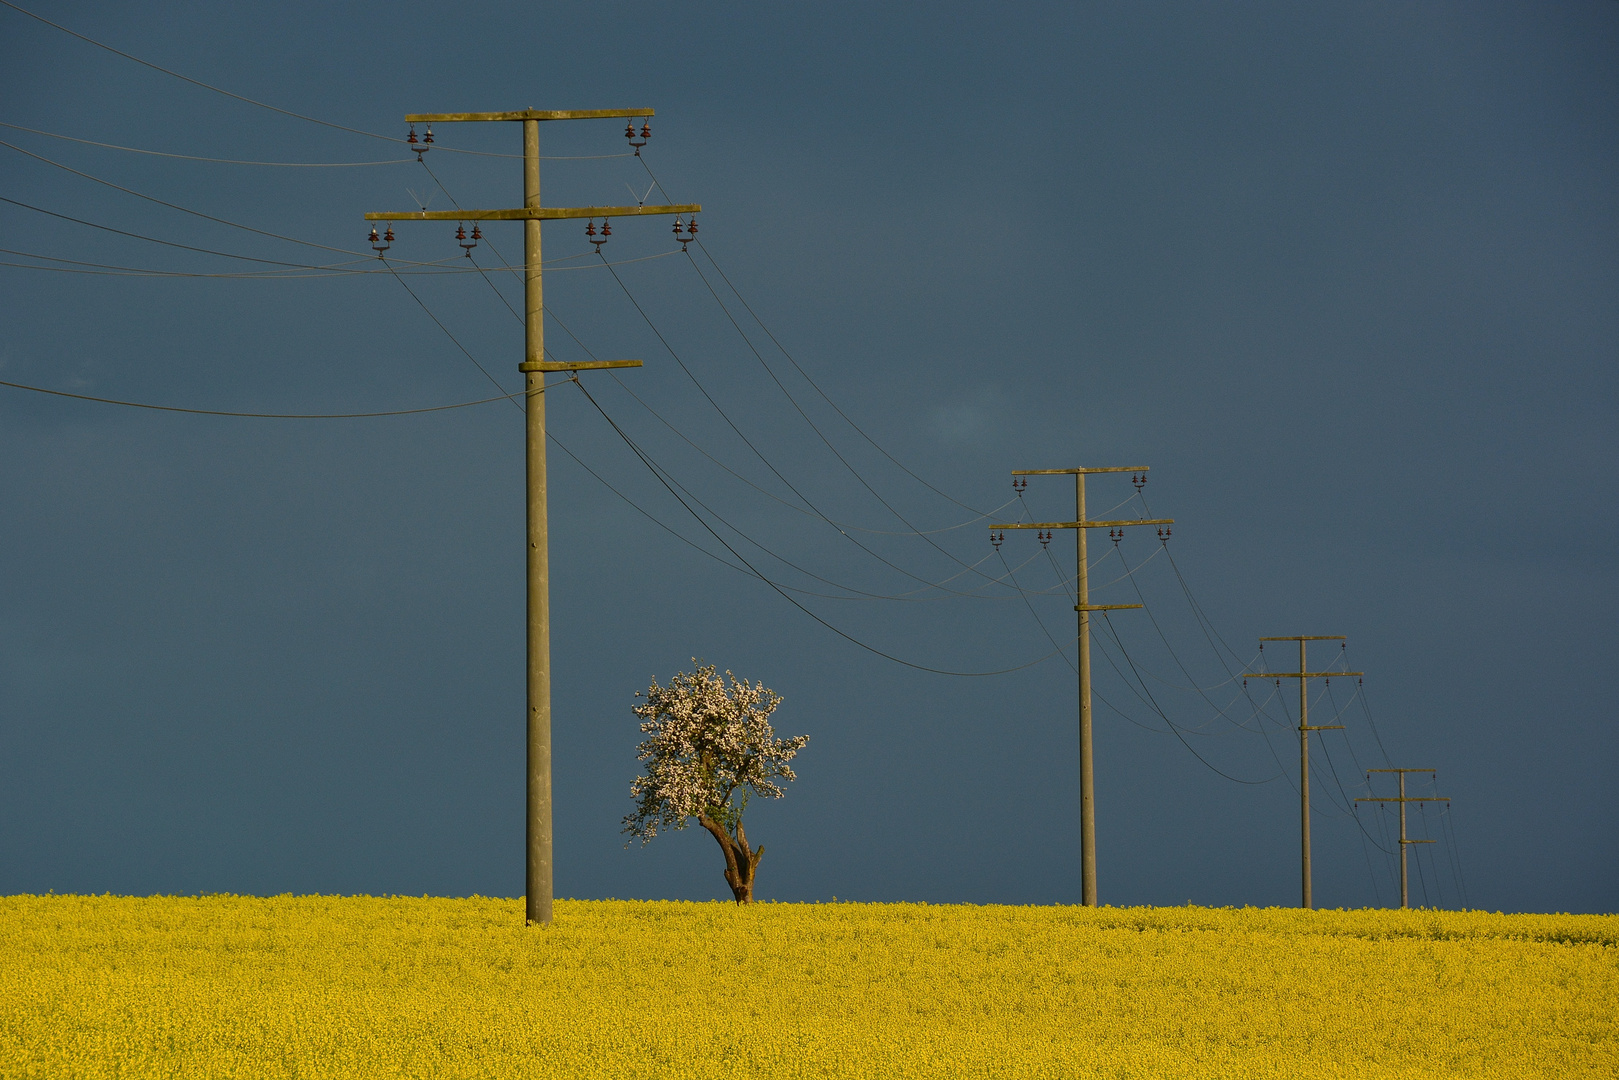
(1083, 524)
(1073, 472)
(525, 114)
(1298, 674)
(536, 213)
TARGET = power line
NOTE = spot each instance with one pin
(1136, 585)
(858, 593)
(1041, 623)
(213, 160)
(1157, 709)
(1448, 827)
(291, 274)
(667, 477)
(783, 593)
(256, 415)
(176, 206)
(219, 90)
(155, 240)
(749, 443)
(285, 164)
(814, 511)
(798, 368)
(812, 425)
(823, 394)
(447, 333)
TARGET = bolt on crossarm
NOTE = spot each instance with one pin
(1405, 895)
(1087, 786)
(538, 869)
(1303, 675)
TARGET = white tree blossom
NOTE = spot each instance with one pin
(709, 746)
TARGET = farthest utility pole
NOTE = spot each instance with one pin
(1303, 675)
(1405, 894)
(537, 879)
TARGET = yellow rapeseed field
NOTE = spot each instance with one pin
(320, 986)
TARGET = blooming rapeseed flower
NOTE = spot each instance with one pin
(317, 986)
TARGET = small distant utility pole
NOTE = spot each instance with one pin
(1303, 675)
(1405, 897)
(1087, 787)
(538, 869)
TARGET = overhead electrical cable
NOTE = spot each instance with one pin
(488, 240)
(559, 444)
(1347, 806)
(1367, 711)
(1433, 867)
(1212, 635)
(811, 511)
(1119, 643)
(812, 425)
(783, 593)
(1041, 623)
(1360, 770)
(1371, 871)
(857, 593)
(454, 340)
(750, 445)
(289, 164)
(1138, 675)
(799, 368)
(1449, 825)
(213, 160)
(287, 274)
(226, 93)
(1421, 878)
(616, 379)
(79, 266)
(687, 497)
(1210, 632)
(766, 491)
(644, 513)
(1173, 654)
(177, 206)
(255, 415)
(155, 240)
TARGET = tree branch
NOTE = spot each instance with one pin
(727, 845)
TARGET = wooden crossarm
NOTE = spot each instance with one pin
(1085, 524)
(533, 213)
(526, 114)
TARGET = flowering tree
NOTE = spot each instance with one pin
(707, 747)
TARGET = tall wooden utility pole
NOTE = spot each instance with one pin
(1405, 896)
(1087, 786)
(538, 868)
(1303, 675)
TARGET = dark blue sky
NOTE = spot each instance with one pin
(1345, 275)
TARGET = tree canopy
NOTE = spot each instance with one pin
(709, 746)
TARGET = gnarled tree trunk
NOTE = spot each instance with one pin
(740, 860)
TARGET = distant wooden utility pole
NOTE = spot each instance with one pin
(1303, 674)
(538, 846)
(1087, 787)
(1405, 898)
